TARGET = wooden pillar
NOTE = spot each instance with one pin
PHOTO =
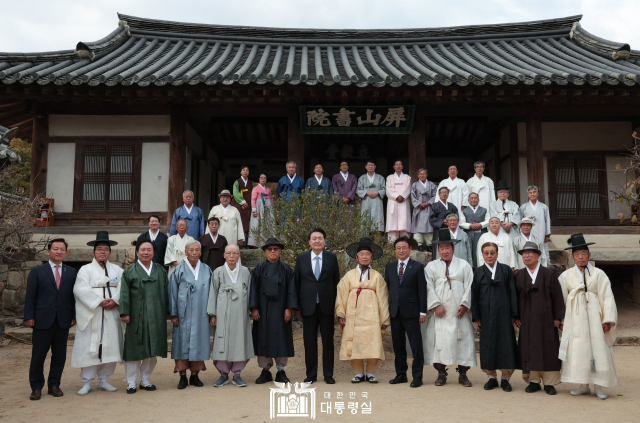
(295, 141)
(39, 155)
(497, 158)
(514, 156)
(535, 171)
(177, 150)
(417, 147)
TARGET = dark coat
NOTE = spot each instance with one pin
(309, 288)
(213, 254)
(438, 214)
(325, 186)
(160, 246)
(273, 290)
(494, 303)
(539, 305)
(44, 302)
(410, 297)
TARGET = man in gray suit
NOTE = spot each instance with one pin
(474, 220)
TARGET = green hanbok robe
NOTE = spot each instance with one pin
(144, 298)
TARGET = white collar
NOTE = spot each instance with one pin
(53, 265)
(364, 275)
(474, 208)
(145, 269)
(525, 237)
(534, 274)
(497, 236)
(533, 206)
(371, 177)
(398, 176)
(406, 262)
(424, 184)
(225, 208)
(450, 264)
(188, 209)
(493, 270)
(446, 206)
(195, 271)
(212, 238)
(181, 238)
(291, 178)
(453, 181)
(580, 274)
(244, 180)
(455, 234)
(345, 175)
(314, 255)
(233, 274)
(476, 176)
(264, 187)
(318, 179)
(152, 236)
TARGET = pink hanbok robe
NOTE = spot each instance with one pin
(398, 214)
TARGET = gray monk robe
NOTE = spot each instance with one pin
(373, 206)
(229, 302)
(469, 216)
(421, 193)
(273, 290)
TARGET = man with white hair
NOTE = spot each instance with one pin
(538, 213)
(192, 215)
(290, 184)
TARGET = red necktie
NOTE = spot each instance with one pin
(401, 271)
(57, 266)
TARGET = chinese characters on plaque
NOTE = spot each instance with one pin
(356, 119)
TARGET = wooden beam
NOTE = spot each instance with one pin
(39, 156)
(177, 152)
(535, 173)
(515, 161)
(295, 141)
(417, 147)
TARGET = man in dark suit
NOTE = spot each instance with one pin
(316, 276)
(50, 309)
(408, 309)
(157, 238)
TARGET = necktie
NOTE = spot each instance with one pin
(401, 272)
(57, 266)
(316, 273)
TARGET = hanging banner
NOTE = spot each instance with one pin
(356, 119)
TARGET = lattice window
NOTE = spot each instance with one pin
(578, 187)
(107, 178)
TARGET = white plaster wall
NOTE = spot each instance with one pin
(154, 180)
(580, 136)
(614, 182)
(61, 161)
(103, 125)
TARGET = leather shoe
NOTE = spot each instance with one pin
(441, 380)
(195, 381)
(264, 377)
(329, 380)
(311, 379)
(55, 391)
(415, 383)
(281, 376)
(532, 387)
(464, 381)
(550, 390)
(35, 395)
(149, 387)
(491, 384)
(505, 385)
(183, 382)
(399, 379)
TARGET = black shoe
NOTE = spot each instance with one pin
(358, 379)
(264, 377)
(420, 248)
(415, 383)
(132, 390)
(329, 380)
(35, 395)
(195, 381)
(491, 384)
(281, 376)
(399, 379)
(429, 248)
(183, 382)
(149, 387)
(549, 389)
(532, 387)
(505, 385)
(311, 379)
(441, 380)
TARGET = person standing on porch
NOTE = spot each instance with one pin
(440, 210)
(423, 195)
(191, 214)
(213, 245)
(398, 191)
(482, 185)
(157, 238)
(176, 247)
(538, 213)
(506, 252)
(506, 210)
(526, 227)
(371, 189)
(261, 202)
(345, 184)
(463, 250)
(242, 188)
(98, 344)
(318, 182)
(458, 190)
(475, 221)
(230, 219)
(290, 184)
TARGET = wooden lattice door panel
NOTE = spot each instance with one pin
(108, 178)
(94, 177)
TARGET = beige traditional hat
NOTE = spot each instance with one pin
(224, 192)
(529, 221)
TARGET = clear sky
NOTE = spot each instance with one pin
(38, 25)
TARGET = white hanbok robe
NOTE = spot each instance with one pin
(95, 325)
(373, 206)
(398, 214)
(509, 214)
(506, 252)
(230, 223)
(582, 332)
(518, 244)
(458, 192)
(176, 251)
(440, 334)
(484, 188)
(540, 216)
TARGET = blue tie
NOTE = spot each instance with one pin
(316, 273)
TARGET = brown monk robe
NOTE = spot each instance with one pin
(241, 199)
(540, 310)
(213, 245)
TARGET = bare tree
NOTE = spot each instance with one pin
(628, 192)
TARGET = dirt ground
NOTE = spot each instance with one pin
(450, 403)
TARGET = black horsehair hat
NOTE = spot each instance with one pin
(272, 242)
(502, 184)
(364, 244)
(578, 243)
(102, 237)
(444, 237)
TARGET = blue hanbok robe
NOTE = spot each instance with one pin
(324, 186)
(188, 299)
(290, 188)
(195, 221)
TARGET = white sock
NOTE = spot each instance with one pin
(359, 375)
(370, 374)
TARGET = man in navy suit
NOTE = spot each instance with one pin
(318, 182)
(408, 309)
(50, 309)
(317, 276)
